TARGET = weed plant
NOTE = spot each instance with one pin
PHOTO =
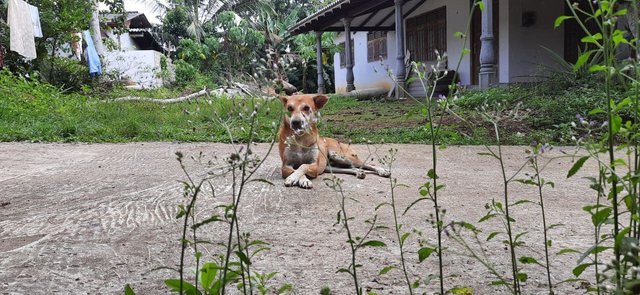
(356, 243)
(615, 215)
(231, 264)
(616, 151)
(401, 235)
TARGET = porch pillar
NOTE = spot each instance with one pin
(321, 88)
(401, 71)
(487, 52)
(348, 59)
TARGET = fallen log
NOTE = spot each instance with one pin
(164, 101)
(365, 94)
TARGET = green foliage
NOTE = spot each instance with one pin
(185, 72)
(176, 23)
(547, 108)
(230, 266)
(68, 74)
(33, 111)
(59, 19)
(302, 72)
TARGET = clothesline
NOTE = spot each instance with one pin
(23, 20)
(21, 28)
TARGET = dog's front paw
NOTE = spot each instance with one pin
(291, 180)
(304, 182)
(360, 174)
(384, 172)
(294, 180)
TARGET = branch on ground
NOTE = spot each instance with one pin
(164, 101)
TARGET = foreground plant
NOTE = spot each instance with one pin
(617, 207)
(434, 110)
(231, 264)
(401, 235)
(356, 243)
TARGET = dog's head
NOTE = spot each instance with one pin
(302, 111)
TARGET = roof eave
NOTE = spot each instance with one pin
(295, 29)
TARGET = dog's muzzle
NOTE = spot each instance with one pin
(298, 125)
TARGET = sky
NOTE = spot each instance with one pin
(137, 5)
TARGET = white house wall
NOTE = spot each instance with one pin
(367, 74)
(526, 56)
(139, 66)
(520, 57)
(374, 75)
(124, 41)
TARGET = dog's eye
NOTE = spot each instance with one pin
(306, 108)
(290, 108)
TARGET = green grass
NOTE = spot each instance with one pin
(30, 111)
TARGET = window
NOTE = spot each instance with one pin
(427, 33)
(343, 58)
(376, 46)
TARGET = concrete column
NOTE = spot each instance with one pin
(401, 71)
(348, 59)
(321, 88)
(488, 72)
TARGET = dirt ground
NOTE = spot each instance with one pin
(90, 218)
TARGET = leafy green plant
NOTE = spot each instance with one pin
(356, 243)
(64, 73)
(231, 266)
(401, 235)
(617, 187)
(185, 73)
(434, 110)
(539, 182)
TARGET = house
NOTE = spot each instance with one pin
(133, 53)
(509, 40)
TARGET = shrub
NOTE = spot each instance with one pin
(547, 107)
(185, 72)
(64, 73)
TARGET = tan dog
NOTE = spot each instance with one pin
(305, 154)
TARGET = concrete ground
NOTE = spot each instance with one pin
(90, 218)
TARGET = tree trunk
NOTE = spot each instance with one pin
(95, 28)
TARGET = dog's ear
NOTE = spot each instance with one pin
(283, 99)
(320, 101)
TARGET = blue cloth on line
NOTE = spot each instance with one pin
(95, 68)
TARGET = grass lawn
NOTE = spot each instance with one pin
(30, 111)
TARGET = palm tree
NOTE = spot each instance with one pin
(202, 11)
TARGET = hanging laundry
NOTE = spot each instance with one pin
(95, 69)
(35, 18)
(76, 45)
(21, 29)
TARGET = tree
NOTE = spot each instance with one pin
(95, 28)
(175, 24)
(305, 47)
(59, 19)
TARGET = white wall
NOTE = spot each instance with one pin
(526, 56)
(139, 66)
(366, 74)
(520, 56)
(374, 74)
(126, 42)
(123, 41)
